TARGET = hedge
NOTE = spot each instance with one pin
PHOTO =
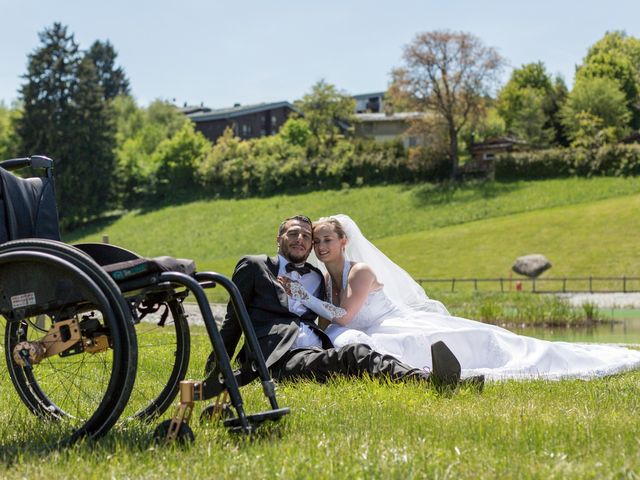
(607, 160)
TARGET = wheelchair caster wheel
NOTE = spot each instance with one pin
(216, 412)
(184, 436)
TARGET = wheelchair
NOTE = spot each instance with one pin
(75, 326)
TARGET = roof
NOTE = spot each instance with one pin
(236, 111)
(383, 117)
(191, 109)
(366, 96)
(497, 142)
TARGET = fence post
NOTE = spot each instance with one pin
(590, 284)
(624, 284)
(453, 284)
(564, 285)
(475, 284)
(534, 285)
(105, 238)
(501, 285)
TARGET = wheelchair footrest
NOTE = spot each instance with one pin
(256, 419)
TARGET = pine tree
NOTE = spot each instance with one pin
(67, 118)
(88, 182)
(112, 79)
(45, 126)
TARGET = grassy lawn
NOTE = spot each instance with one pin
(370, 429)
(584, 226)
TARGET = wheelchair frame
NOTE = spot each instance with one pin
(62, 270)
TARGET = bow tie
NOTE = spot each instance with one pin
(290, 267)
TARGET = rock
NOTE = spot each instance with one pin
(531, 265)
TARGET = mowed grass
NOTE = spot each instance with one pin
(217, 232)
(367, 429)
(584, 226)
(363, 428)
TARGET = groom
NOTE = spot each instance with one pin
(291, 342)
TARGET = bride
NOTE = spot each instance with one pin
(374, 301)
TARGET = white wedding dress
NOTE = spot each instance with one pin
(406, 326)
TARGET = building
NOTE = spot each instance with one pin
(483, 153)
(369, 102)
(384, 127)
(247, 121)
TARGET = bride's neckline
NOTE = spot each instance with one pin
(346, 268)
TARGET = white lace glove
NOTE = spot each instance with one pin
(324, 309)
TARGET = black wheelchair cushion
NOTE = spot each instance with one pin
(143, 272)
(28, 208)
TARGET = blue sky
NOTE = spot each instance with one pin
(249, 51)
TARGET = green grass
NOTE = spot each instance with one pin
(518, 308)
(584, 226)
(371, 429)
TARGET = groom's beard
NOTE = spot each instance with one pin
(294, 257)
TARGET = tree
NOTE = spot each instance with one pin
(616, 56)
(112, 79)
(65, 117)
(8, 136)
(296, 131)
(45, 126)
(529, 104)
(327, 111)
(595, 112)
(178, 158)
(85, 180)
(447, 73)
(139, 132)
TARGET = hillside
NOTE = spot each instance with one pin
(585, 226)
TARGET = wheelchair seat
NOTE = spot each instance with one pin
(129, 270)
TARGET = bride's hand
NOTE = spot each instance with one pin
(286, 284)
(294, 289)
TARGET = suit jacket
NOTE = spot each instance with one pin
(266, 301)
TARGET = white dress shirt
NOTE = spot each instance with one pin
(311, 282)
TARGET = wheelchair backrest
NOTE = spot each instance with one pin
(27, 208)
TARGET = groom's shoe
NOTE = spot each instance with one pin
(445, 373)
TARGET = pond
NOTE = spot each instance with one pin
(625, 329)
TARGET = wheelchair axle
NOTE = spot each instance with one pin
(60, 337)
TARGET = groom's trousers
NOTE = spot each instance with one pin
(355, 360)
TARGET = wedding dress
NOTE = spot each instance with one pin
(399, 319)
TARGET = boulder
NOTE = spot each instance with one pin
(531, 265)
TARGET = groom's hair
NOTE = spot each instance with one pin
(298, 218)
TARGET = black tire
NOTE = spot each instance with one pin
(220, 412)
(83, 393)
(185, 435)
(155, 389)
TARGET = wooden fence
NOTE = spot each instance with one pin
(538, 285)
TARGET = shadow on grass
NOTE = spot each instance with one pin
(131, 437)
(446, 192)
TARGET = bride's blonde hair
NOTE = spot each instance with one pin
(335, 224)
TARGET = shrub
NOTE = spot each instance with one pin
(176, 159)
(611, 160)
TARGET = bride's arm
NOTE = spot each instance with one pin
(361, 280)
(323, 309)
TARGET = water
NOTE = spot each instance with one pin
(625, 330)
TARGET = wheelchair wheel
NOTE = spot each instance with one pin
(163, 350)
(70, 348)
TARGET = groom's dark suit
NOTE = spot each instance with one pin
(277, 329)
